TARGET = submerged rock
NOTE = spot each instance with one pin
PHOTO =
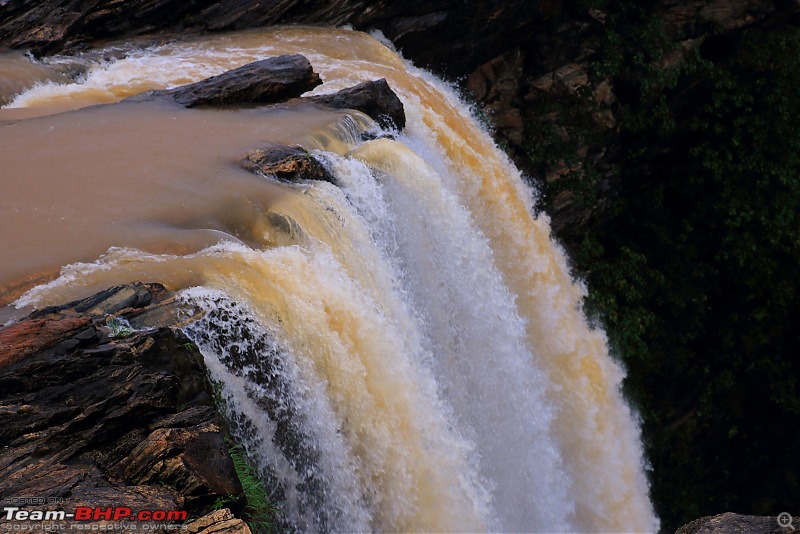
(99, 413)
(268, 81)
(285, 163)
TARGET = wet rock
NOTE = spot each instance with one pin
(287, 163)
(374, 98)
(103, 417)
(119, 298)
(730, 523)
(269, 81)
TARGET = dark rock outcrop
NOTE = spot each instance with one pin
(100, 414)
(432, 33)
(730, 523)
(287, 163)
(374, 98)
(269, 81)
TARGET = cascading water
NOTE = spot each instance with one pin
(418, 358)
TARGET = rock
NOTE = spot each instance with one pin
(730, 523)
(286, 163)
(119, 298)
(110, 419)
(28, 337)
(496, 86)
(193, 460)
(374, 98)
(431, 33)
(218, 522)
(268, 81)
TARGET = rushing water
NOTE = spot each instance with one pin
(417, 355)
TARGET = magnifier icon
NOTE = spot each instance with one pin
(785, 520)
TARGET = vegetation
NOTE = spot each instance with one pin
(119, 327)
(260, 512)
(695, 267)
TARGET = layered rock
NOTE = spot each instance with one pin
(95, 411)
(218, 522)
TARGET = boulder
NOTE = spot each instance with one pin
(268, 81)
(373, 98)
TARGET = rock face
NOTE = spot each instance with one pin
(431, 32)
(99, 414)
(374, 98)
(730, 523)
(269, 81)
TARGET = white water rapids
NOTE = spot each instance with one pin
(405, 352)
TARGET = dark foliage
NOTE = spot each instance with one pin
(695, 271)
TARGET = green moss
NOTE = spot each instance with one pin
(261, 513)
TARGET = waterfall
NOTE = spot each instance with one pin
(405, 351)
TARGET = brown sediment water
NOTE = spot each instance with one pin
(19, 72)
(147, 175)
(460, 386)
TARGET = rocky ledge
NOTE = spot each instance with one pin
(104, 402)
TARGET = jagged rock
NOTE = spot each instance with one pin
(285, 163)
(268, 81)
(730, 523)
(374, 98)
(109, 418)
(191, 460)
(218, 522)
